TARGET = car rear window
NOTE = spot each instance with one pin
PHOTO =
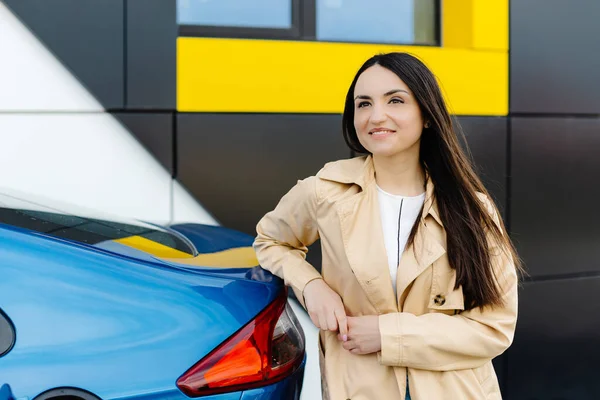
(81, 228)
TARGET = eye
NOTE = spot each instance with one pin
(362, 104)
(396, 100)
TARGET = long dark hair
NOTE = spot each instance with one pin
(466, 219)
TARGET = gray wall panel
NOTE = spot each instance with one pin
(487, 141)
(555, 56)
(556, 350)
(240, 165)
(500, 364)
(86, 36)
(555, 165)
(154, 131)
(151, 54)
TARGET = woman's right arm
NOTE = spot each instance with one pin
(284, 235)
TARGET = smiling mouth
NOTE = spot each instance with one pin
(381, 132)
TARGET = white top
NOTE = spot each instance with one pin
(398, 215)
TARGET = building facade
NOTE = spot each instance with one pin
(209, 111)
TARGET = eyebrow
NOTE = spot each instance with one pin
(391, 92)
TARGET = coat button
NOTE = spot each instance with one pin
(439, 300)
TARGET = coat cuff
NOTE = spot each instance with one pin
(392, 350)
(300, 293)
(299, 277)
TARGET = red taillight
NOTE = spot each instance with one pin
(264, 351)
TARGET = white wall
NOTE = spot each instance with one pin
(56, 140)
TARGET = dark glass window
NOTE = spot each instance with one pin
(80, 228)
(236, 13)
(377, 21)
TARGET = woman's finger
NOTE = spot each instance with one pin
(342, 321)
(315, 319)
(332, 322)
(323, 322)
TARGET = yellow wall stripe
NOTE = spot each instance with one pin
(491, 24)
(457, 23)
(475, 24)
(237, 75)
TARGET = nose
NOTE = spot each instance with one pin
(378, 114)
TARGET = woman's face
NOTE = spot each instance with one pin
(387, 117)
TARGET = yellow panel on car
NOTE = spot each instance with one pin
(241, 257)
(152, 247)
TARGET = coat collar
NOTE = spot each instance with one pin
(361, 171)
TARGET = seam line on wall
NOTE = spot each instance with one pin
(553, 115)
(125, 100)
(560, 277)
(173, 165)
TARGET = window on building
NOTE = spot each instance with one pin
(274, 14)
(377, 21)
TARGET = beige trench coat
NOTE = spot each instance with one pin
(426, 335)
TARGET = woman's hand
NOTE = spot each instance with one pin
(325, 307)
(363, 335)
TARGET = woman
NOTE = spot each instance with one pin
(418, 289)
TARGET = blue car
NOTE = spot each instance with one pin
(97, 307)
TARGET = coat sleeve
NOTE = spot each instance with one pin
(284, 234)
(441, 342)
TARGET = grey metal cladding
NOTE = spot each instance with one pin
(555, 56)
(151, 54)
(86, 36)
(555, 192)
(500, 363)
(557, 347)
(239, 165)
(154, 131)
(487, 141)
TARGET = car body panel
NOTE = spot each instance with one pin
(112, 325)
(5, 392)
(212, 239)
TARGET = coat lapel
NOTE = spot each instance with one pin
(427, 246)
(425, 250)
(365, 248)
(362, 234)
